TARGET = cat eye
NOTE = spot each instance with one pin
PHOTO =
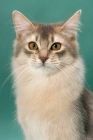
(56, 46)
(32, 46)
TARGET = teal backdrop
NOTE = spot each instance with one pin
(45, 11)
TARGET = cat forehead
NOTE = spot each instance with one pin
(45, 33)
(50, 39)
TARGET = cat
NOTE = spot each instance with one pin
(52, 101)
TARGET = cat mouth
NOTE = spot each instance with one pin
(44, 66)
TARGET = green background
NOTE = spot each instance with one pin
(46, 11)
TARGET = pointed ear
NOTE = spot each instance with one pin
(22, 24)
(70, 27)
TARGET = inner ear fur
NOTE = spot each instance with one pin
(22, 24)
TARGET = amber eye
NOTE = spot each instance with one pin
(56, 46)
(33, 46)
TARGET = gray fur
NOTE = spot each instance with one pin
(46, 32)
(87, 103)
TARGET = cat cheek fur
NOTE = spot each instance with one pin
(48, 106)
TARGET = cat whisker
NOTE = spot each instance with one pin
(5, 65)
(20, 74)
(66, 63)
(8, 22)
(81, 76)
(10, 77)
(66, 72)
(84, 79)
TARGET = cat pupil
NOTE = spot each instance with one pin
(55, 45)
(33, 45)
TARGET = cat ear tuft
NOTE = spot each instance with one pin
(22, 24)
(70, 27)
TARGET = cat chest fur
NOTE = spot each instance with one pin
(47, 113)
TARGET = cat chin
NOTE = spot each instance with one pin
(44, 70)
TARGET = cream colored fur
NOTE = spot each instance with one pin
(47, 103)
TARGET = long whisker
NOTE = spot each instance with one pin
(4, 65)
(67, 73)
(83, 77)
(85, 80)
(66, 63)
(8, 22)
(10, 76)
(20, 74)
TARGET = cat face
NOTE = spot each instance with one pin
(45, 48)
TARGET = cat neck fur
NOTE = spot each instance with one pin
(61, 80)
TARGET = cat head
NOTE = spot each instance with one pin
(45, 48)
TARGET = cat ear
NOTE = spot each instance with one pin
(22, 24)
(70, 27)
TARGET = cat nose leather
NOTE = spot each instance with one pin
(43, 58)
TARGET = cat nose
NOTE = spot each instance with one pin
(43, 58)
